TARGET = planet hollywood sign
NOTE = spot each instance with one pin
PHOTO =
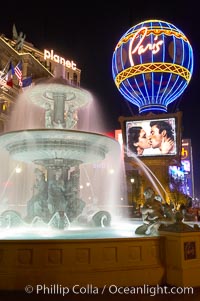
(50, 55)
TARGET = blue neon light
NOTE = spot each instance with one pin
(161, 67)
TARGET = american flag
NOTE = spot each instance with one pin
(18, 72)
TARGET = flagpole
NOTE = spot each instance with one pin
(3, 71)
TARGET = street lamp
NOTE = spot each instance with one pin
(18, 169)
(132, 183)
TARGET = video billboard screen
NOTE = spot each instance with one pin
(177, 179)
(152, 137)
(186, 165)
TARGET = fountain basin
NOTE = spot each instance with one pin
(39, 145)
(105, 258)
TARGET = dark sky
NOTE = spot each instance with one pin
(89, 35)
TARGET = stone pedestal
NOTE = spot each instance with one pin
(97, 262)
(182, 258)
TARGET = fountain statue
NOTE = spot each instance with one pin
(154, 213)
(59, 154)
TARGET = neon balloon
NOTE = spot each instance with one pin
(152, 65)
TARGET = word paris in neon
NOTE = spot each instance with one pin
(139, 48)
(54, 57)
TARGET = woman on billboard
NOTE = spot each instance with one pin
(137, 140)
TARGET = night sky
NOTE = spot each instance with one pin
(89, 35)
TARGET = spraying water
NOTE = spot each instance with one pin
(156, 184)
(69, 177)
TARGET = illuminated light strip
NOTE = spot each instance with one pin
(155, 106)
(161, 76)
(147, 96)
(125, 88)
(152, 67)
(156, 32)
(152, 56)
(168, 89)
(177, 92)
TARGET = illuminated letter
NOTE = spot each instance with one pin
(52, 55)
(56, 58)
(184, 153)
(46, 54)
(138, 45)
(73, 65)
(68, 64)
(157, 46)
(62, 61)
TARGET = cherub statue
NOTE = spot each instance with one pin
(48, 115)
(19, 38)
(37, 205)
(71, 117)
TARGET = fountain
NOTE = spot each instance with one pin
(59, 222)
(60, 155)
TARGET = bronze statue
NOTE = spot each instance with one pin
(154, 213)
(19, 38)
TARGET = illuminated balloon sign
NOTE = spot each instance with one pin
(152, 65)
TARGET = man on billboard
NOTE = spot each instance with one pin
(162, 136)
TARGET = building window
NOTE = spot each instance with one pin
(74, 81)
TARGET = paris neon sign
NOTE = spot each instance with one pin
(60, 60)
(139, 48)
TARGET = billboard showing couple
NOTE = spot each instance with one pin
(155, 137)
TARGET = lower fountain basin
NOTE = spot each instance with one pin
(80, 257)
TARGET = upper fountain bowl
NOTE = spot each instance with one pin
(44, 93)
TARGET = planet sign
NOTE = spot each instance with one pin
(152, 65)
